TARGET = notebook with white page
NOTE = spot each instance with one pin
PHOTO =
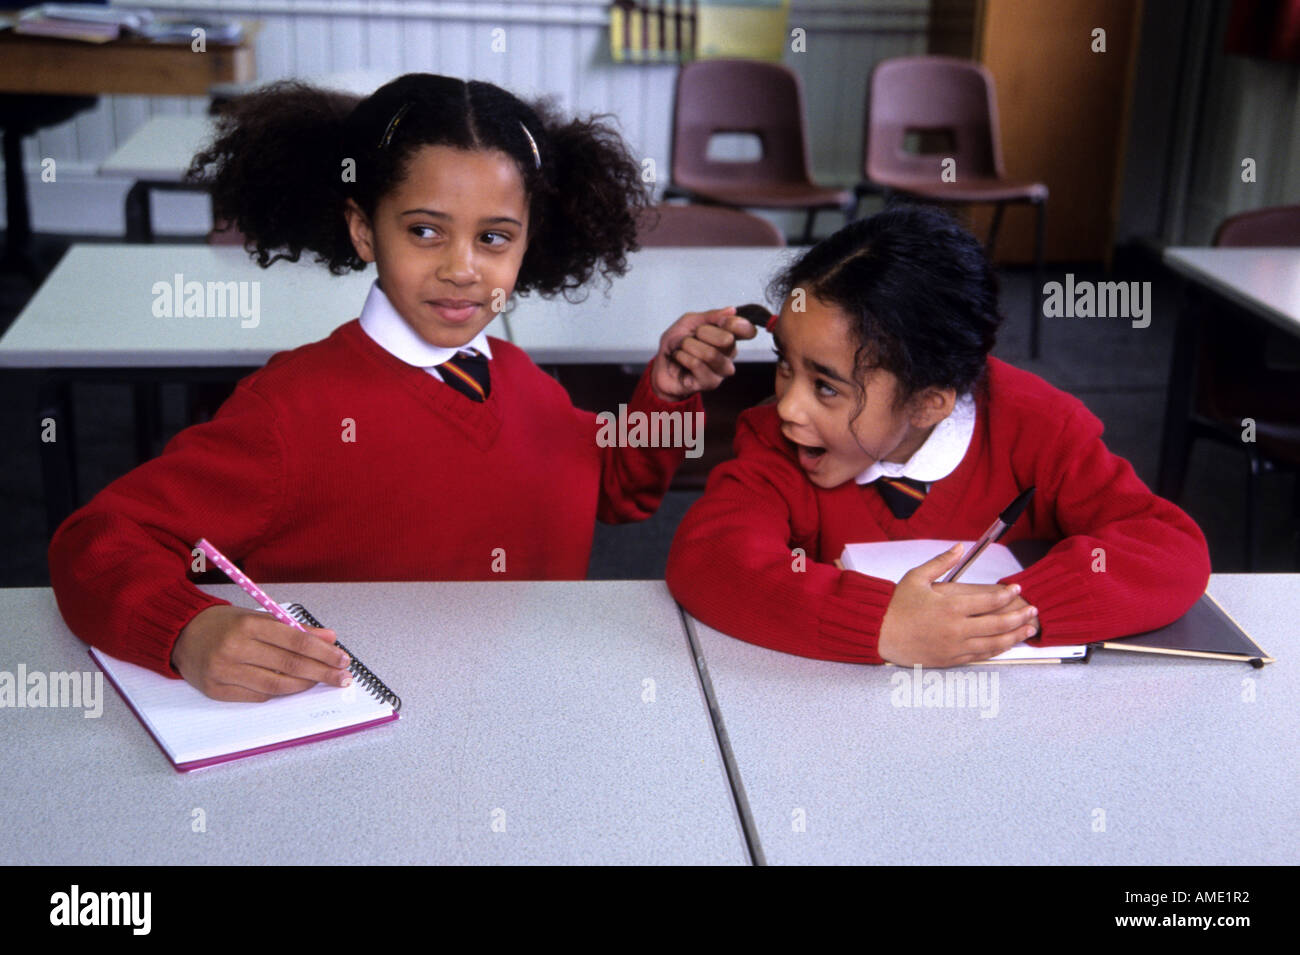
(892, 559)
(194, 730)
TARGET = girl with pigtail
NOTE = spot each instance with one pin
(408, 445)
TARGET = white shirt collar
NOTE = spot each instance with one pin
(390, 332)
(941, 453)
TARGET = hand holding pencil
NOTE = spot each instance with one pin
(230, 653)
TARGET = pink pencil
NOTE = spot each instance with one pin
(250, 588)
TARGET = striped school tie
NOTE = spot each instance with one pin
(903, 495)
(468, 374)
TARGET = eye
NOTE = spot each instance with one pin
(417, 229)
(782, 365)
(824, 390)
(503, 237)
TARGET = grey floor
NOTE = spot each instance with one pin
(1118, 371)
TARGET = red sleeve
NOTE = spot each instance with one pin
(1130, 561)
(118, 565)
(733, 564)
(633, 481)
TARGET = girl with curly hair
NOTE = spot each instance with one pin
(408, 445)
(892, 422)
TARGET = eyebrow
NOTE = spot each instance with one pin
(435, 214)
(815, 366)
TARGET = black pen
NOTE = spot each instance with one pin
(1000, 527)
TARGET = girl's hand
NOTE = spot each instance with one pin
(944, 625)
(695, 352)
(234, 654)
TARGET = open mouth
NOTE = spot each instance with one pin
(809, 455)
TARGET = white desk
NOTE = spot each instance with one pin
(522, 697)
(96, 310)
(623, 326)
(1265, 281)
(1185, 771)
(160, 150)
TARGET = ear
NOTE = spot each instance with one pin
(931, 406)
(363, 238)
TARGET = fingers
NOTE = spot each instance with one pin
(982, 648)
(265, 658)
(936, 566)
(985, 600)
(1020, 620)
(296, 656)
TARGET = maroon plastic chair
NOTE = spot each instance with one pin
(744, 96)
(952, 102)
(673, 225)
(1239, 374)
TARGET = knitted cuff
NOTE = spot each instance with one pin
(848, 625)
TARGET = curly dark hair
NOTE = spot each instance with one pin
(918, 289)
(276, 170)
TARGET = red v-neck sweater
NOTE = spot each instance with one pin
(433, 487)
(732, 564)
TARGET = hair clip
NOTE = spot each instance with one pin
(757, 314)
(392, 125)
(537, 156)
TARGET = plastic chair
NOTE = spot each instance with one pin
(1238, 375)
(743, 96)
(950, 100)
(673, 225)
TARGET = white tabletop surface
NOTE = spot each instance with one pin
(96, 310)
(529, 698)
(624, 324)
(160, 150)
(1266, 281)
(1166, 754)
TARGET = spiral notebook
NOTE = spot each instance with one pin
(195, 731)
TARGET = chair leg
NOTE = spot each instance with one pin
(807, 237)
(991, 242)
(1252, 494)
(1035, 290)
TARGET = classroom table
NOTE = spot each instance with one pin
(37, 64)
(97, 309)
(156, 157)
(94, 320)
(1259, 284)
(527, 704)
(624, 326)
(1129, 759)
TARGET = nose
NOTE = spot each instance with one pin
(789, 405)
(457, 266)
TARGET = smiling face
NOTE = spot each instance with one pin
(818, 399)
(448, 241)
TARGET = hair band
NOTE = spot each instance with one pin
(392, 125)
(537, 156)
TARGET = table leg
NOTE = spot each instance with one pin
(139, 221)
(1178, 400)
(58, 456)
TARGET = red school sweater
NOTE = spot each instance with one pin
(338, 461)
(732, 566)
